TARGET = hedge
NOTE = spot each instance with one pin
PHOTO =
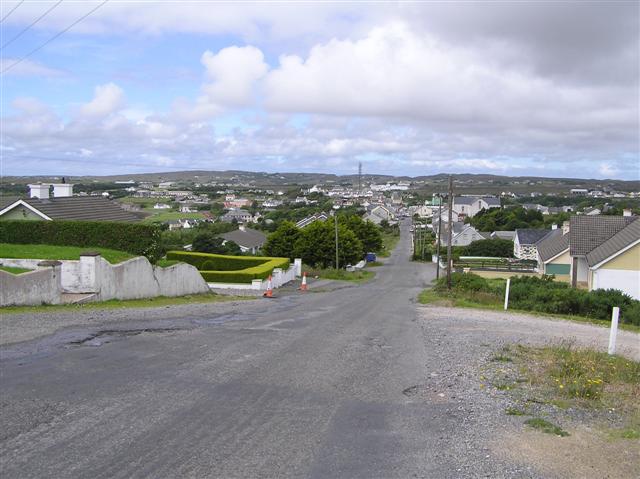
(134, 238)
(230, 269)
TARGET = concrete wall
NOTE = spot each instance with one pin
(42, 286)
(279, 277)
(132, 279)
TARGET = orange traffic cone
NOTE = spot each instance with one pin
(269, 292)
(303, 286)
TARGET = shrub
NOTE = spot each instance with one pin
(465, 282)
(490, 247)
(134, 238)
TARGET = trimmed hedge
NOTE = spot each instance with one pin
(134, 238)
(218, 268)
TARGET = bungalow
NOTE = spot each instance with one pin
(240, 215)
(461, 235)
(304, 222)
(62, 206)
(379, 214)
(469, 206)
(249, 240)
(554, 257)
(595, 242)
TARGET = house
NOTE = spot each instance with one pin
(62, 206)
(525, 243)
(505, 235)
(592, 211)
(378, 214)
(249, 240)
(461, 235)
(594, 242)
(304, 222)
(444, 215)
(554, 257)
(187, 209)
(161, 206)
(240, 215)
(469, 206)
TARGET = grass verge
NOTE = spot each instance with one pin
(557, 379)
(44, 251)
(480, 300)
(160, 301)
(12, 270)
(546, 426)
(359, 276)
(389, 242)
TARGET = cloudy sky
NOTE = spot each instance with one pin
(516, 88)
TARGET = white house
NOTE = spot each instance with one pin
(525, 242)
(161, 206)
(469, 206)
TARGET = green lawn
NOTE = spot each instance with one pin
(44, 251)
(389, 242)
(12, 270)
(360, 276)
(160, 301)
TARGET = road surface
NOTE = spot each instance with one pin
(319, 385)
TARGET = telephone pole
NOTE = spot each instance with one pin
(439, 233)
(336, 222)
(449, 232)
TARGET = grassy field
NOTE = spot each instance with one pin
(12, 270)
(360, 276)
(479, 300)
(160, 216)
(43, 251)
(568, 378)
(160, 301)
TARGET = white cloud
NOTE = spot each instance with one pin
(108, 99)
(28, 68)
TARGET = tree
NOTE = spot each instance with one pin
(282, 241)
(316, 245)
(367, 232)
(210, 243)
(502, 248)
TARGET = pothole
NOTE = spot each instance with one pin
(103, 337)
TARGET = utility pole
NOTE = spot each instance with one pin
(439, 233)
(449, 232)
(336, 222)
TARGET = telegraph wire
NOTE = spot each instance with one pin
(52, 38)
(30, 25)
(11, 11)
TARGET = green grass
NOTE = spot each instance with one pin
(14, 270)
(160, 301)
(389, 242)
(481, 300)
(359, 276)
(165, 263)
(374, 264)
(514, 411)
(43, 251)
(546, 426)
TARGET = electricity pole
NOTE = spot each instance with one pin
(336, 222)
(439, 233)
(449, 232)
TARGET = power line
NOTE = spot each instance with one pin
(52, 38)
(11, 11)
(29, 26)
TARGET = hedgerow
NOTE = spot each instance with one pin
(134, 238)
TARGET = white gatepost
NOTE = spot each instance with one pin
(614, 330)
(277, 277)
(297, 263)
(256, 284)
(506, 294)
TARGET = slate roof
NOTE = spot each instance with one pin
(464, 200)
(552, 245)
(589, 232)
(508, 235)
(81, 208)
(491, 200)
(617, 242)
(248, 238)
(530, 236)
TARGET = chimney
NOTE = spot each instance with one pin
(626, 212)
(565, 227)
(554, 226)
(39, 191)
(62, 190)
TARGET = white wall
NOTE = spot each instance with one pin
(32, 288)
(627, 281)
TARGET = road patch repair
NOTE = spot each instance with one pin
(554, 398)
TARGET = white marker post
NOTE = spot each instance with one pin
(614, 329)
(506, 294)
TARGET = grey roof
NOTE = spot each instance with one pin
(248, 238)
(553, 244)
(81, 208)
(509, 235)
(589, 232)
(531, 236)
(617, 242)
(464, 200)
(491, 200)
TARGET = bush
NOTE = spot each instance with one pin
(490, 247)
(230, 269)
(465, 282)
(134, 238)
